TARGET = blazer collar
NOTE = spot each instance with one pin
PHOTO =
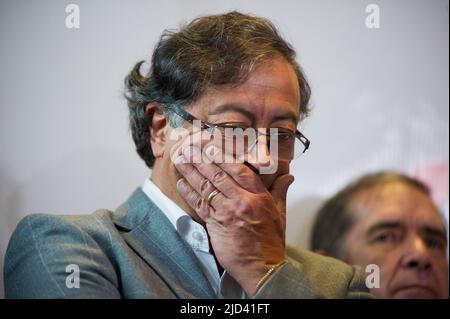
(155, 239)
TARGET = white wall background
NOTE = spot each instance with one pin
(380, 98)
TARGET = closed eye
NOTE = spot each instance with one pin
(435, 243)
(283, 135)
(232, 126)
(384, 238)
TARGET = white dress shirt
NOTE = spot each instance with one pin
(195, 235)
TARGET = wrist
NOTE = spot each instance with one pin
(267, 275)
(256, 276)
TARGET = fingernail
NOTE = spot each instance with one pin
(212, 149)
(212, 152)
(192, 150)
(180, 183)
(180, 160)
(191, 153)
(187, 151)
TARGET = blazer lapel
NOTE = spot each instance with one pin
(153, 237)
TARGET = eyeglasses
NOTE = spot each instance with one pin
(289, 145)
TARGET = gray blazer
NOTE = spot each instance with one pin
(135, 252)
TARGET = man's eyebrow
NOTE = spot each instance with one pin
(231, 107)
(383, 225)
(291, 116)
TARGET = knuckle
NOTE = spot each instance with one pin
(244, 206)
(219, 177)
(240, 171)
(198, 203)
(204, 185)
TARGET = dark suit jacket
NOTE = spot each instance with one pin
(135, 252)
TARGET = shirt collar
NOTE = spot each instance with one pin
(191, 231)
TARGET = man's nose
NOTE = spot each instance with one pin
(417, 255)
(259, 155)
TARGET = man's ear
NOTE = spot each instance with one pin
(158, 123)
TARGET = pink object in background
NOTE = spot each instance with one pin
(436, 177)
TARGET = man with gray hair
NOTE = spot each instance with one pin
(389, 220)
(208, 223)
